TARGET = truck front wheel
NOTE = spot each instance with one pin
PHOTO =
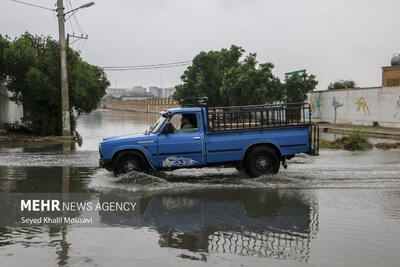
(126, 162)
(260, 161)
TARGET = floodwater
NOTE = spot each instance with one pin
(339, 209)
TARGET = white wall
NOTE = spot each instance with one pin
(360, 106)
(9, 111)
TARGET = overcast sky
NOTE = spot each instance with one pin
(341, 39)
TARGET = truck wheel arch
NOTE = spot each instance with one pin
(268, 144)
(137, 150)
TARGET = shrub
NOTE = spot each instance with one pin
(356, 140)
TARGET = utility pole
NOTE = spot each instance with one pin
(65, 115)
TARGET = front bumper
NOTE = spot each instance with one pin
(107, 164)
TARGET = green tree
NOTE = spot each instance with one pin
(4, 44)
(225, 80)
(204, 77)
(297, 86)
(33, 75)
(245, 84)
(342, 84)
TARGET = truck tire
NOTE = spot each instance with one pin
(127, 162)
(241, 168)
(261, 160)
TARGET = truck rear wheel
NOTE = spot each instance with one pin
(261, 160)
(127, 162)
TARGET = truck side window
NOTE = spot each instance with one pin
(184, 122)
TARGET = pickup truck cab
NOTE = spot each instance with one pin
(254, 139)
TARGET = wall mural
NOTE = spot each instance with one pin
(316, 105)
(336, 105)
(397, 109)
(361, 103)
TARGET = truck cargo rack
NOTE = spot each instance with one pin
(194, 102)
(242, 118)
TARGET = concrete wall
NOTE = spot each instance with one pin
(9, 111)
(360, 106)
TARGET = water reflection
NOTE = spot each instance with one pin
(105, 123)
(266, 223)
(45, 179)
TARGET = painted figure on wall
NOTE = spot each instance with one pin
(397, 108)
(361, 103)
(336, 105)
(316, 106)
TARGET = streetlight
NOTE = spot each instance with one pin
(82, 6)
(65, 115)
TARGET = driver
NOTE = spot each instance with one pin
(185, 122)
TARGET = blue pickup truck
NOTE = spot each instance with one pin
(254, 139)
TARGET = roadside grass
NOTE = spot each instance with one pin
(354, 141)
(330, 144)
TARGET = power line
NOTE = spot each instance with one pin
(70, 22)
(29, 4)
(76, 20)
(73, 15)
(149, 66)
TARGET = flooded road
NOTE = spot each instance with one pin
(339, 209)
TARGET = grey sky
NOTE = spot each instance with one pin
(341, 39)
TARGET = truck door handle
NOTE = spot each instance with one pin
(196, 138)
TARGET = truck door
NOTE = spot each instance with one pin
(184, 147)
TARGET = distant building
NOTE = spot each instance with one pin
(139, 92)
(156, 91)
(162, 92)
(168, 92)
(116, 92)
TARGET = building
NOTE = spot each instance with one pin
(391, 76)
(156, 91)
(162, 92)
(139, 92)
(168, 92)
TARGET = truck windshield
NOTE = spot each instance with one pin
(156, 126)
